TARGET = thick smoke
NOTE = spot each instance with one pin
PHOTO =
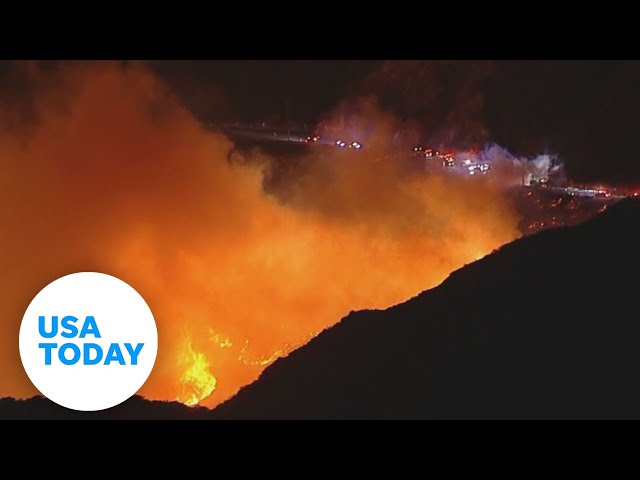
(101, 169)
(509, 170)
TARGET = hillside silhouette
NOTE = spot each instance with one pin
(135, 408)
(546, 327)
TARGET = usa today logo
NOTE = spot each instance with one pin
(88, 341)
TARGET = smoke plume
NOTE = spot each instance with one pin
(102, 169)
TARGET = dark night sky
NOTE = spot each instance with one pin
(586, 111)
(257, 90)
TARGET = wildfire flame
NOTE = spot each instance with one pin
(253, 257)
(263, 360)
(197, 382)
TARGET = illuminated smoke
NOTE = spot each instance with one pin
(509, 170)
(101, 169)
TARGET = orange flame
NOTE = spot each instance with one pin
(251, 264)
(263, 360)
(197, 382)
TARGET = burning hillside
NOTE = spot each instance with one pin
(120, 178)
(240, 258)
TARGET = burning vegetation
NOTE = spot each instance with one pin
(250, 258)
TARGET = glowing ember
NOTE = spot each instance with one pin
(264, 360)
(222, 342)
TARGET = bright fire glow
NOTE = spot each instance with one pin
(196, 382)
(117, 176)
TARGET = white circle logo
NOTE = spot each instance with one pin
(88, 341)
